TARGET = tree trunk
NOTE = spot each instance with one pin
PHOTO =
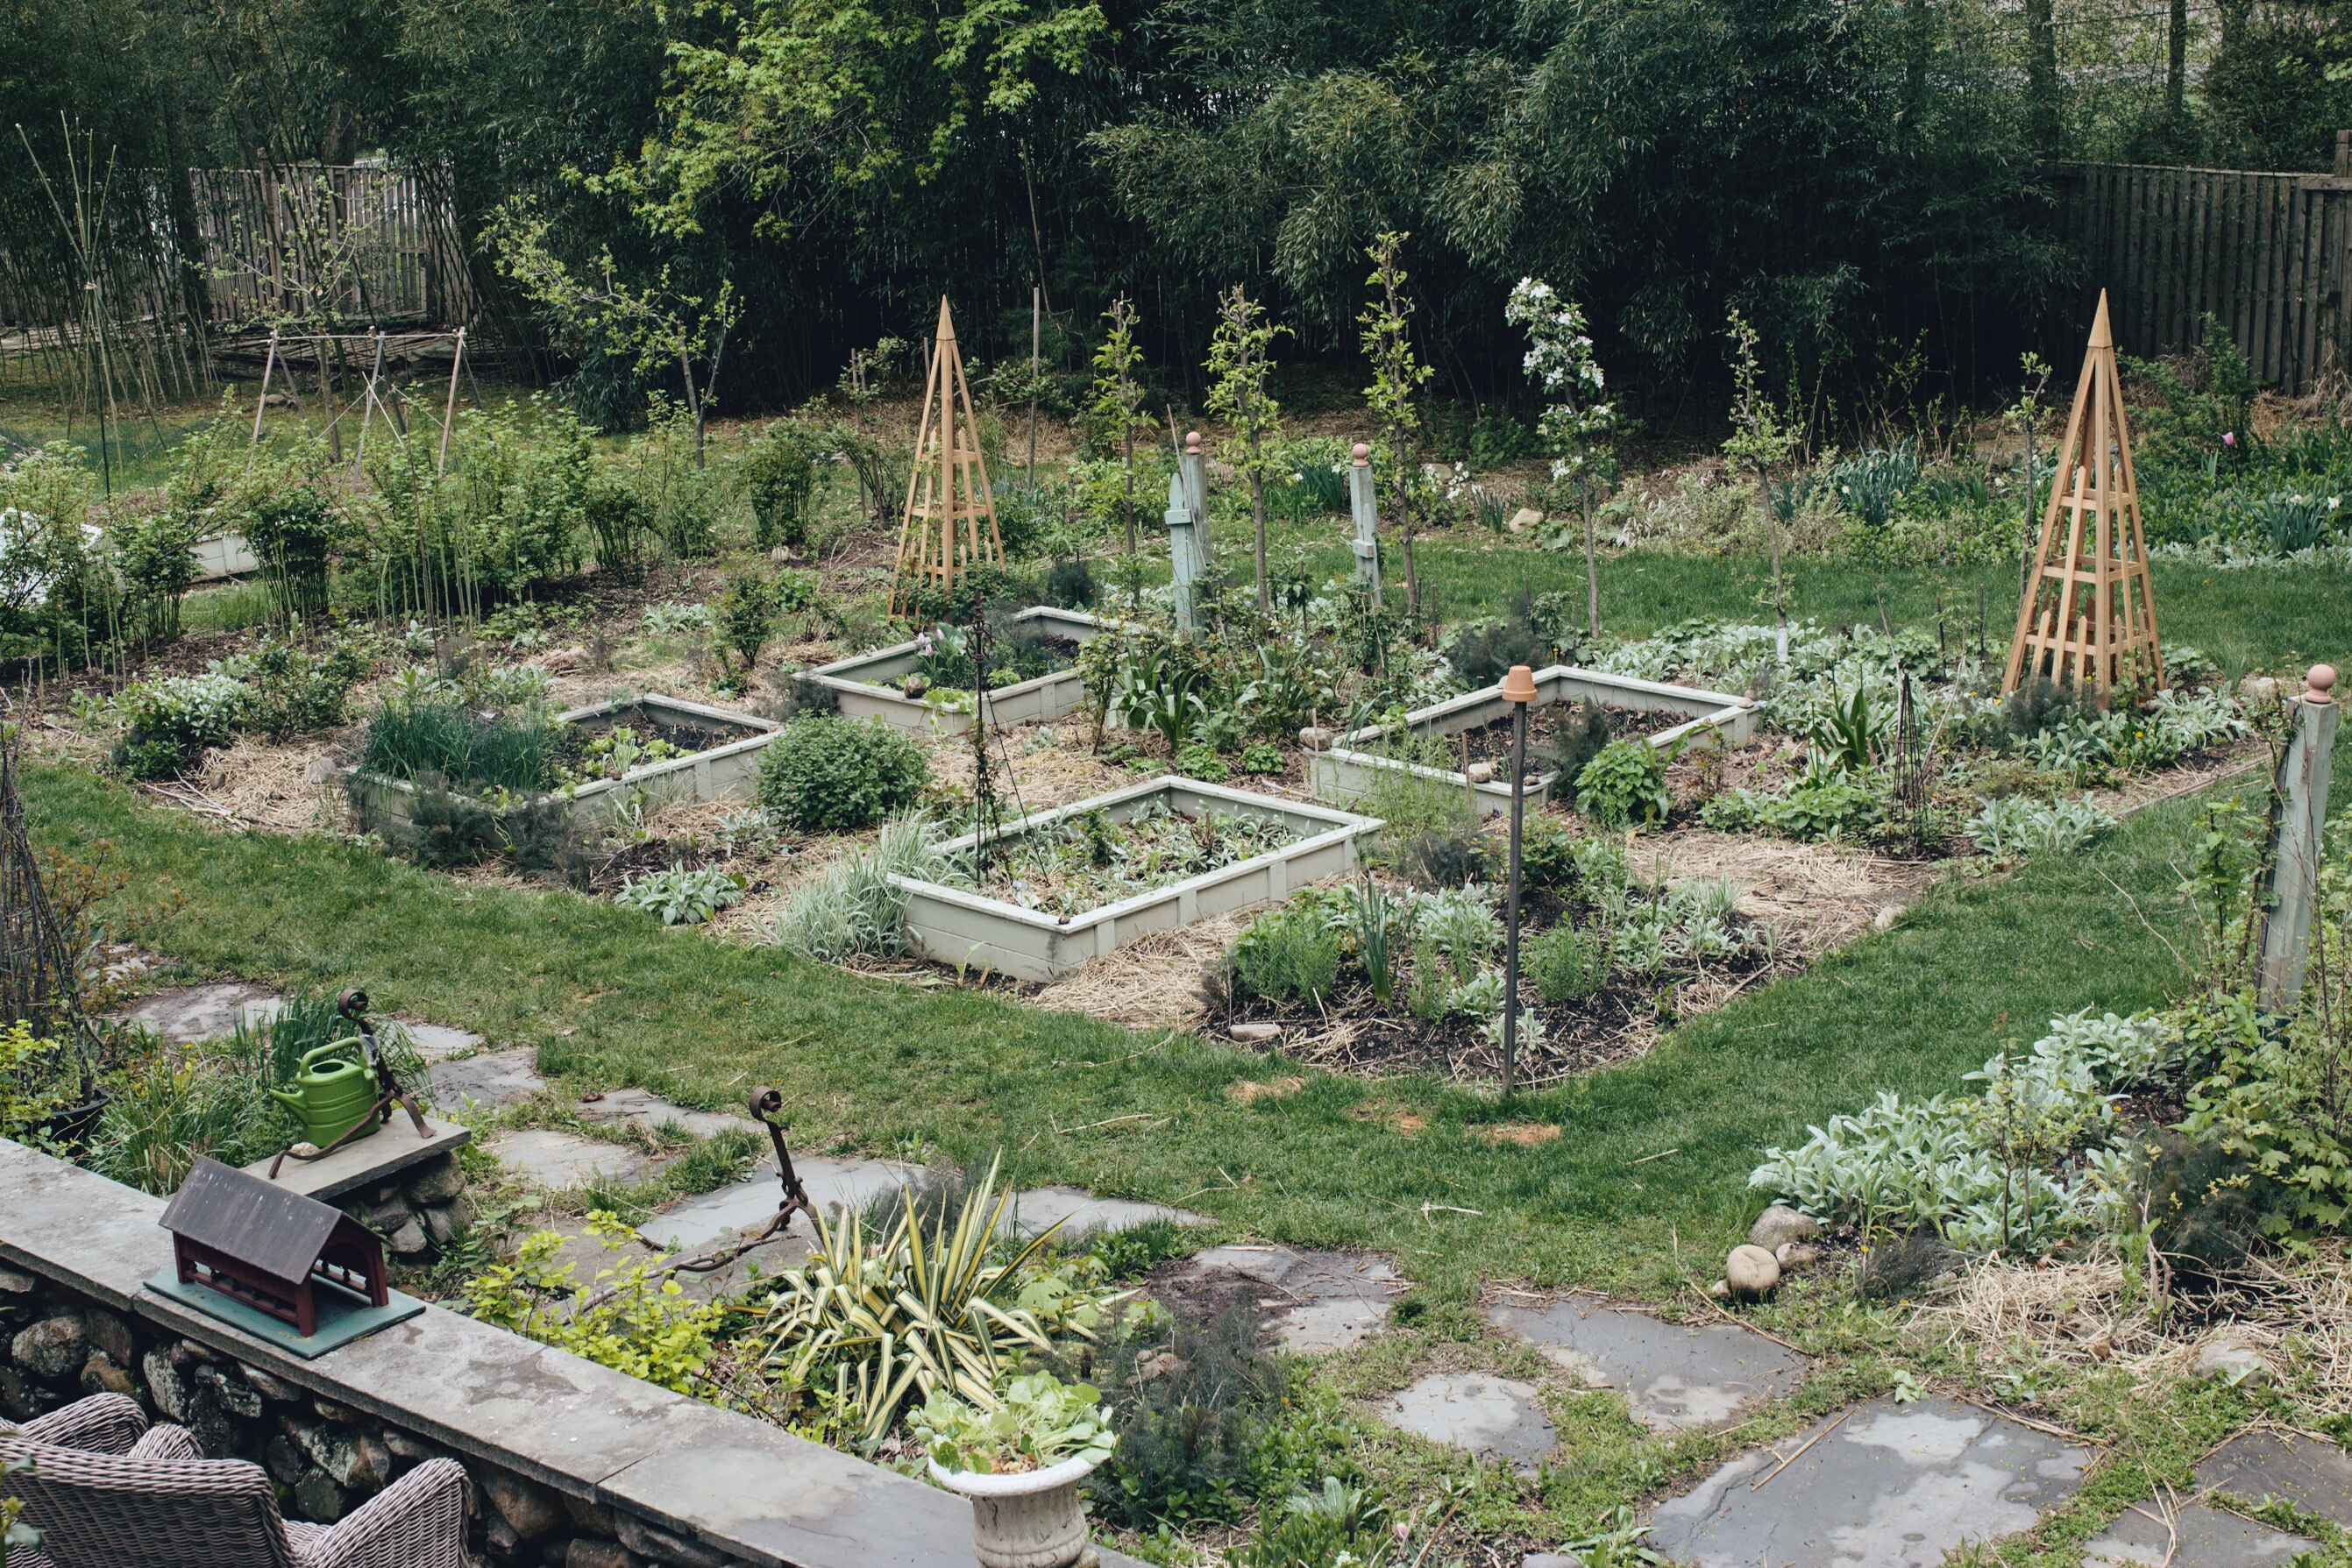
(2175, 64)
(693, 404)
(1257, 515)
(2041, 76)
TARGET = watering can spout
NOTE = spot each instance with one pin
(291, 1101)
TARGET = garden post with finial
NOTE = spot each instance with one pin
(2294, 870)
(1183, 545)
(1520, 690)
(1363, 502)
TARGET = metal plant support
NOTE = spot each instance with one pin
(40, 979)
(1519, 687)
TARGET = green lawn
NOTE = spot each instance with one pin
(875, 1065)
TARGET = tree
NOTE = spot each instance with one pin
(1760, 441)
(1560, 358)
(1397, 379)
(1116, 405)
(1240, 360)
(655, 324)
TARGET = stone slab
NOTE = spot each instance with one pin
(493, 1078)
(1313, 1301)
(391, 1148)
(1082, 1213)
(650, 1110)
(831, 1184)
(732, 1482)
(342, 1318)
(559, 1160)
(436, 1042)
(1494, 1417)
(2208, 1538)
(182, 1013)
(1893, 1487)
(1675, 1376)
(2312, 1475)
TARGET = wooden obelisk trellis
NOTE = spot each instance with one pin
(951, 522)
(2087, 617)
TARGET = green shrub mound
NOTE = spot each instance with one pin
(832, 772)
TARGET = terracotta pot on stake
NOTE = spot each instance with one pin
(1520, 690)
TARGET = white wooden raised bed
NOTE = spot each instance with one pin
(956, 926)
(1353, 769)
(867, 686)
(728, 772)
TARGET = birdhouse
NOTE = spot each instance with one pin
(272, 1250)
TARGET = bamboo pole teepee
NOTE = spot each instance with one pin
(948, 498)
(2087, 617)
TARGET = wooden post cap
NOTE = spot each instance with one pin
(2320, 681)
(1191, 441)
(1519, 686)
(1363, 454)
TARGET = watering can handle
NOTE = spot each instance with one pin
(307, 1057)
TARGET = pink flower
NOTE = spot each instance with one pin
(2229, 438)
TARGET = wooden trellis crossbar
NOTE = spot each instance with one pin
(948, 498)
(2088, 618)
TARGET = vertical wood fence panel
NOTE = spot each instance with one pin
(2264, 253)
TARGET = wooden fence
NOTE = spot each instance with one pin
(2265, 252)
(364, 243)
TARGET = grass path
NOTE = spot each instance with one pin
(610, 999)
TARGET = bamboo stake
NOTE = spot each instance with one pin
(449, 413)
(262, 403)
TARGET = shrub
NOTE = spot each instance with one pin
(1286, 956)
(620, 524)
(1566, 964)
(156, 555)
(1193, 1403)
(172, 718)
(1547, 854)
(1071, 585)
(293, 536)
(1580, 738)
(745, 615)
(1625, 783)
(1483, 653)
(296, 691)
(835, 773)
(779, 477)
(1443, 858)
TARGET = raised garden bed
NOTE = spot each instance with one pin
(978, 930)
(723, 765)
(870, 685)
(1353, 769)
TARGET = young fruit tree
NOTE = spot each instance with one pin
(1760, 441)
(1560, 358)
(1240, 360)
(1116, 401)
(1397, 378)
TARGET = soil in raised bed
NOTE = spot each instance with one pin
(1546, 723)
(686, 736)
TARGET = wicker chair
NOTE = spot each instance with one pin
(107, 1492)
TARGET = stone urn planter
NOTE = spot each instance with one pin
(1034, 1519)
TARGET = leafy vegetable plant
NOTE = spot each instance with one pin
(1039, 1422)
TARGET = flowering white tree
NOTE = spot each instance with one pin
(1561, 359)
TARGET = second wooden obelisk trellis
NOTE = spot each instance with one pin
(2088, 618)
(951, 522)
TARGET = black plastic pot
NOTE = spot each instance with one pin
(70, 1129)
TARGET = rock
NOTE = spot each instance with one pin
(165, 1386)
(409, 1240)
(383, 1219)
(19, 1400)
(1524, 519)
(530, 1509)
(1886, 918)
(914, 685)
(554, 1550)
(99, 1374)
(1779, 1225)
(589, 1518)
(1479, 773)
(321, 769)
(110, 1334)
(187, 1352)
(409, 1447)
(53, 1348)
(599, 1554)
(2239, 1365)
(1751, 1272)
(1720, 1289)
(268, 1385)
(14, 1284)
(439, 1227)
(1317, 737)
(329, 1411)
(234, 1394)
(661, 1546)
(1794, 1255)
(318, 1499)
(438, 1183)
(283, 1461)
(2258, 691)
(502, 1541)
(1258, 1034)
(356, 1460)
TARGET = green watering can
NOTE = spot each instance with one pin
(333, 1097)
